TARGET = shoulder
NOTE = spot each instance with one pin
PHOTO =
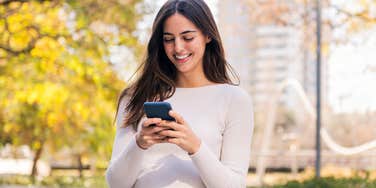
(239, 104)
(123, 101)
(125, 97)
(236, 94)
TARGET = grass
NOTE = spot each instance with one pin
(58, 179)
(55, 181)
(331, 182)
(332, 177)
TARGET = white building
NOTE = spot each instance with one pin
(265, 54)
(232, 19)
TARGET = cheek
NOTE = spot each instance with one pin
(199, 48)
(165, 47)
(200, 45)
(168, 50)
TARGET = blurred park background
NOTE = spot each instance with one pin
(64, 62)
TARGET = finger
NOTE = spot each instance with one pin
(156, 130)
(158, 137)
(153, 129)
(171, 125)
(170, 133)
(161, 141)
(151, 121)
(151, 136)
(146, 137)
(157, 140)
(176, 141)
(177, 117)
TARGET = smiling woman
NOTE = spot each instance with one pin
(209, 143)
(184, 45)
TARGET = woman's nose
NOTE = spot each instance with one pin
(179, 45)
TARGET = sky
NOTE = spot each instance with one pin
(352, 68)
(352, 74)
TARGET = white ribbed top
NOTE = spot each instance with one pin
(220, 115)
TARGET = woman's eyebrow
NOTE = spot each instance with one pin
(182, 33)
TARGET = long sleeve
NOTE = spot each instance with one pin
(126, 159)
(231, 169)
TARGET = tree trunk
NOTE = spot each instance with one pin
(80, 167)
(38, 153)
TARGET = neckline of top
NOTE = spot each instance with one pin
(200, 87)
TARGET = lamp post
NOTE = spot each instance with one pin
(318, 89)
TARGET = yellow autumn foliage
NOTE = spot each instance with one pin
(57, 87)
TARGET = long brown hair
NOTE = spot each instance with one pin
(157, 74)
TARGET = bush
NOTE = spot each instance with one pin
(55, 181)
(330, 182)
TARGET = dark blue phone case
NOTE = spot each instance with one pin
(158, 110)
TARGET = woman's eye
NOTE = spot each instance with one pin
(168, 39)
(188, 39)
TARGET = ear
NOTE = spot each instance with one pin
(208, 39)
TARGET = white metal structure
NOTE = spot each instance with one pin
(308, 107)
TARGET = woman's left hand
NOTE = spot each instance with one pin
(180, 134)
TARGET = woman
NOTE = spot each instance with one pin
(209, 143)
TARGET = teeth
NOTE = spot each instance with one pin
(181, 57)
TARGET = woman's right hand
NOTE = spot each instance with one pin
(148, 135)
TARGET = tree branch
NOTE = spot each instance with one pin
(9, 12)
(360, 15)
(7, 2)
(6, 25)
(31, 44)
(29, 47)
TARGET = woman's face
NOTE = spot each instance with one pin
(184, 44)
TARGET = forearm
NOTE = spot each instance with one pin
(216, 174)
(125, 168)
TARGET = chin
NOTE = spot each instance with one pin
(183, 70)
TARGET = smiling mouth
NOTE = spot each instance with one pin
(180, 57)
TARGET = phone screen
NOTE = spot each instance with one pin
(158, 110)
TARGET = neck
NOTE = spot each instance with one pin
(185, 80)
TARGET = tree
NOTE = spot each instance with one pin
(58, 85)
(301, 14)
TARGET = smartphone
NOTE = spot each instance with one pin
(158, 110)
